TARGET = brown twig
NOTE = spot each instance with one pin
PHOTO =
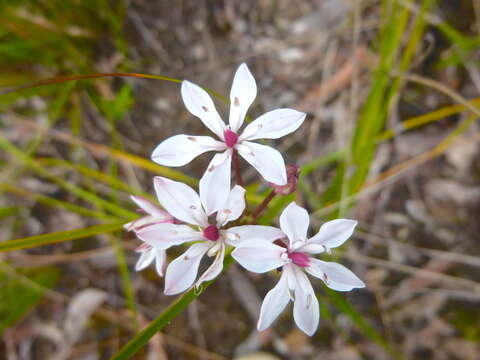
(236, 167)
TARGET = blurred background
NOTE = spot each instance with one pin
(392, 92)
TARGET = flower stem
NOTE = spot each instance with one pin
(141, 339)
(236, 167)
(263, 205)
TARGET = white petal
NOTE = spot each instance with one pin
(179, 150)
(259, 256)
(200, 104)
(215, 183)
(334, 233)
(268, 161)
(335, 276)
(182, 271)
(274, 303)
(141, 222)
(306, 312)
(238, 234)
(233, 208)
(151, 208)
(145, 259)
(273, 125)
(242, 95)
(294, 222)
(164, 235)
(312, 248)
(160, 261)
(214, 269)
(180, 200)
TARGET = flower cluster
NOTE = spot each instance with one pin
(203, 220)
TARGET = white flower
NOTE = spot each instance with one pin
(184, 204)
(293, 257)
(181, 149)
(148, 253)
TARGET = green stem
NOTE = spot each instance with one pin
(139, 341)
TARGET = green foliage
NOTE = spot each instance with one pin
(467, 319)
(18, 298)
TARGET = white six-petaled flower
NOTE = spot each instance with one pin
(179, 150)
(184, 204)
(152, 215)
(293, 255)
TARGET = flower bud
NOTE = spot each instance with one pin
(293, 172)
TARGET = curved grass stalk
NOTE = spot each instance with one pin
(62, 79)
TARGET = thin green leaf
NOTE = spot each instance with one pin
(18, 299)
(142, 338)
(84, 194)
(40, 240)
(345, 307)
(50, 201)
(8, 211)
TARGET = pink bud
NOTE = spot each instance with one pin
(293, 173)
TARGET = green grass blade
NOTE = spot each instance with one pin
(125, 278)
(86, 195)
(40, 240)
(141, 339)
(50, 201)
(18, 299)
(359, 321)
(95, 175)
(8, 211)
(321, 161)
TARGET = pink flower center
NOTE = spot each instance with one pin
(211, 233)
(230, 138)
(299, 258)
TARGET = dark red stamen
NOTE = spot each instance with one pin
(280, 243)
(211, 233)
(143, 247)
(230, 138)
(299, 258)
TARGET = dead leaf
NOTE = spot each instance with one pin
(79, 310)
